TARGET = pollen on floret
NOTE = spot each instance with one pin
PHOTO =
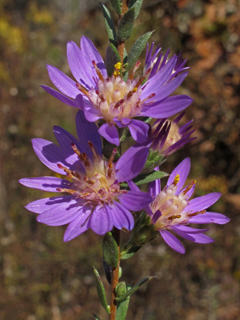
(118, 65)
(176, 179)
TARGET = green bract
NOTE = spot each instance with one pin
(110, 250)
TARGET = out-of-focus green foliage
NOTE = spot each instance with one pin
(42, 277)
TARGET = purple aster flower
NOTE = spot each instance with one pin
(93, 197)
(112, 99)
(172, 211)
(156, 62)
(167, 137)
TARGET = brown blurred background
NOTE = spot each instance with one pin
(42, 278)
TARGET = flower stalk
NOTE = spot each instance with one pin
(115, 277)
(121, 44)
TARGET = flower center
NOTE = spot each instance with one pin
(168, 208)
(95, 181)
(115, 98)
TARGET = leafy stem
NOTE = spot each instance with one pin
(121, 44)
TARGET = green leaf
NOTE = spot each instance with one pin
(122, 307)
(116, 6)
(134, 288)
(137, 5)
(137, 48)
(146, 178)
(96, 317)
(111, 31)
(130, 253)
(110, 250)
(101, 291)
(126, 25)
(112, 57)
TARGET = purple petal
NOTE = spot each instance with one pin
(91, 54)
(139, 130)
(195, 237)
(168, 107)
(189, 229)
(133, 186)
(41, 205)
(64, 84)
(122, 123)
(50, 154)
(110, 133)
(131, 163)
(156, 216)
(162, 76)
(65, 139)
(78, 226)
(210, 217)
(79, 66)
(203, 202)
(101, 220)
(154, 187)
(172, 241)
(60, 96)
(88, 131)
(135, 200)
(49, 184)
(91, 114)
(122, 218)
(183, 170)
(166, 90)
(61, 214)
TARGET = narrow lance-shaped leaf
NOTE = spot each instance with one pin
(122, 307)
(110, 250)
(137, 48)
(116, 6)
(128, 254)
(112, 57)
(96, 317)
(146, 178)
(134, 288)
(126, 25)
(101, 291)
(137, 5)
(111, 31)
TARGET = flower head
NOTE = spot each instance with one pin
(167, 137)
(172, 210)
(114, 100)
(93, 197)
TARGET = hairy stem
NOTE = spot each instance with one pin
(121, 44)
(115, 276)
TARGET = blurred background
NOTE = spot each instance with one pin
(41, 277)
